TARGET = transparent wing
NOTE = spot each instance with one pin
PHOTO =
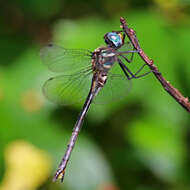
(116, 88)
(68, 89)
(59, 59)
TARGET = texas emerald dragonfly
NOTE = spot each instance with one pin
(91, 75)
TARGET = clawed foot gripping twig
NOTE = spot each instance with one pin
(183, 101)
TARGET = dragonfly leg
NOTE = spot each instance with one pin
(140, 69)
(142, 75)
(127, 52)
(126, 59)
(127, 71)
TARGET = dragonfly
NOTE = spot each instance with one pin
(83, 69)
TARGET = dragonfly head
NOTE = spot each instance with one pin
(114, 39)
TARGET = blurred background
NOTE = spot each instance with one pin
(139, 143)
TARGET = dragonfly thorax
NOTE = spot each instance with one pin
(103, 59)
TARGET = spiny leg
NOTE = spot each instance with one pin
(124, 69)
(141, 68)
(129, 61)
(127, 52)
(142, 75)
(123, 66)
(127, 71)
(129, 49)
(136, 77)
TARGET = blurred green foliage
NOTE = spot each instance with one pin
(141, 142)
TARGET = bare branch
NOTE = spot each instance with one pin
(184, 102)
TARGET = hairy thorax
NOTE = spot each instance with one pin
(102, 61)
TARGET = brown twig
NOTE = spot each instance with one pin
(184, 102)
